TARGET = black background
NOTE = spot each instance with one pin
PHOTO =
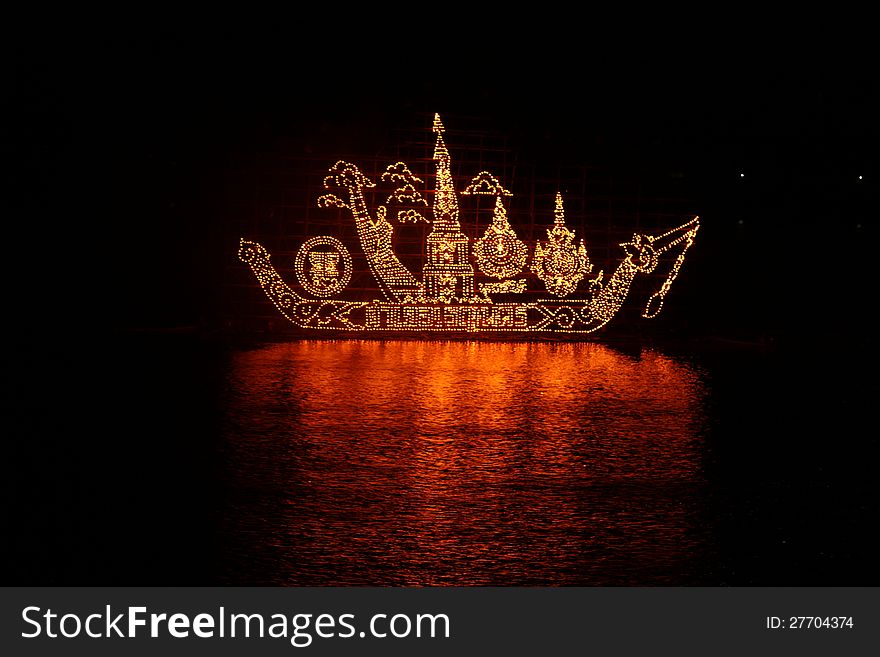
(117, 144)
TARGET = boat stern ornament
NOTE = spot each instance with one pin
(446, 297)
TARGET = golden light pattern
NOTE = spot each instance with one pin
(399, 174)
(448, 274)
(422, 315)
(558, 262)
(375, 236)
(408, 215)
(331, 201)
(318, 270)
(498, 252)
(405, 194)
(642, 257)
(485, 183)
(504, 287)
(302, 312)
(655, 303)
(446, 299)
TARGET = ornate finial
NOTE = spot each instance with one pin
(559, 212)
(559, 262)
(438, 125)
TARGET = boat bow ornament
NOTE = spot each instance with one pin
(447, 298)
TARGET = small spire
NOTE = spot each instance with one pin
(559, 212)
(438, 125)
(500, 212)
(440, 150)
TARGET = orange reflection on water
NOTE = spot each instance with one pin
(416, 463)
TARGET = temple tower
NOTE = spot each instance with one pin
(448, 272)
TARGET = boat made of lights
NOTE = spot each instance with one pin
(446, 297)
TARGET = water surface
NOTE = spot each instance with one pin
(468, 463)
(151, 459)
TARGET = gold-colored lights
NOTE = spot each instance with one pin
(683, 234)
(498, 252)
(484, 183)
(323, 266)
(375, 236)
(558, 262)
(448, 274)
(445, 299)
(410, 215)
(405, 180)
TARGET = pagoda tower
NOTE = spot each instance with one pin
(448, 272)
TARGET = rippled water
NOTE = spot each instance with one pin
(173, 459)
(467, 463)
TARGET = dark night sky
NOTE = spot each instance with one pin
(120, 145)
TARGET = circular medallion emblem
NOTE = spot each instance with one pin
(323, 266)
(500, 254)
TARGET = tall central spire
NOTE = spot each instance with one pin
(448, 273)
(445, 200)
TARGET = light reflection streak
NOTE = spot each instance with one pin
(470, 463)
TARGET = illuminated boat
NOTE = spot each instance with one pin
(447, 297)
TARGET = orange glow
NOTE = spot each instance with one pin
(455, 463)
(446, 298)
